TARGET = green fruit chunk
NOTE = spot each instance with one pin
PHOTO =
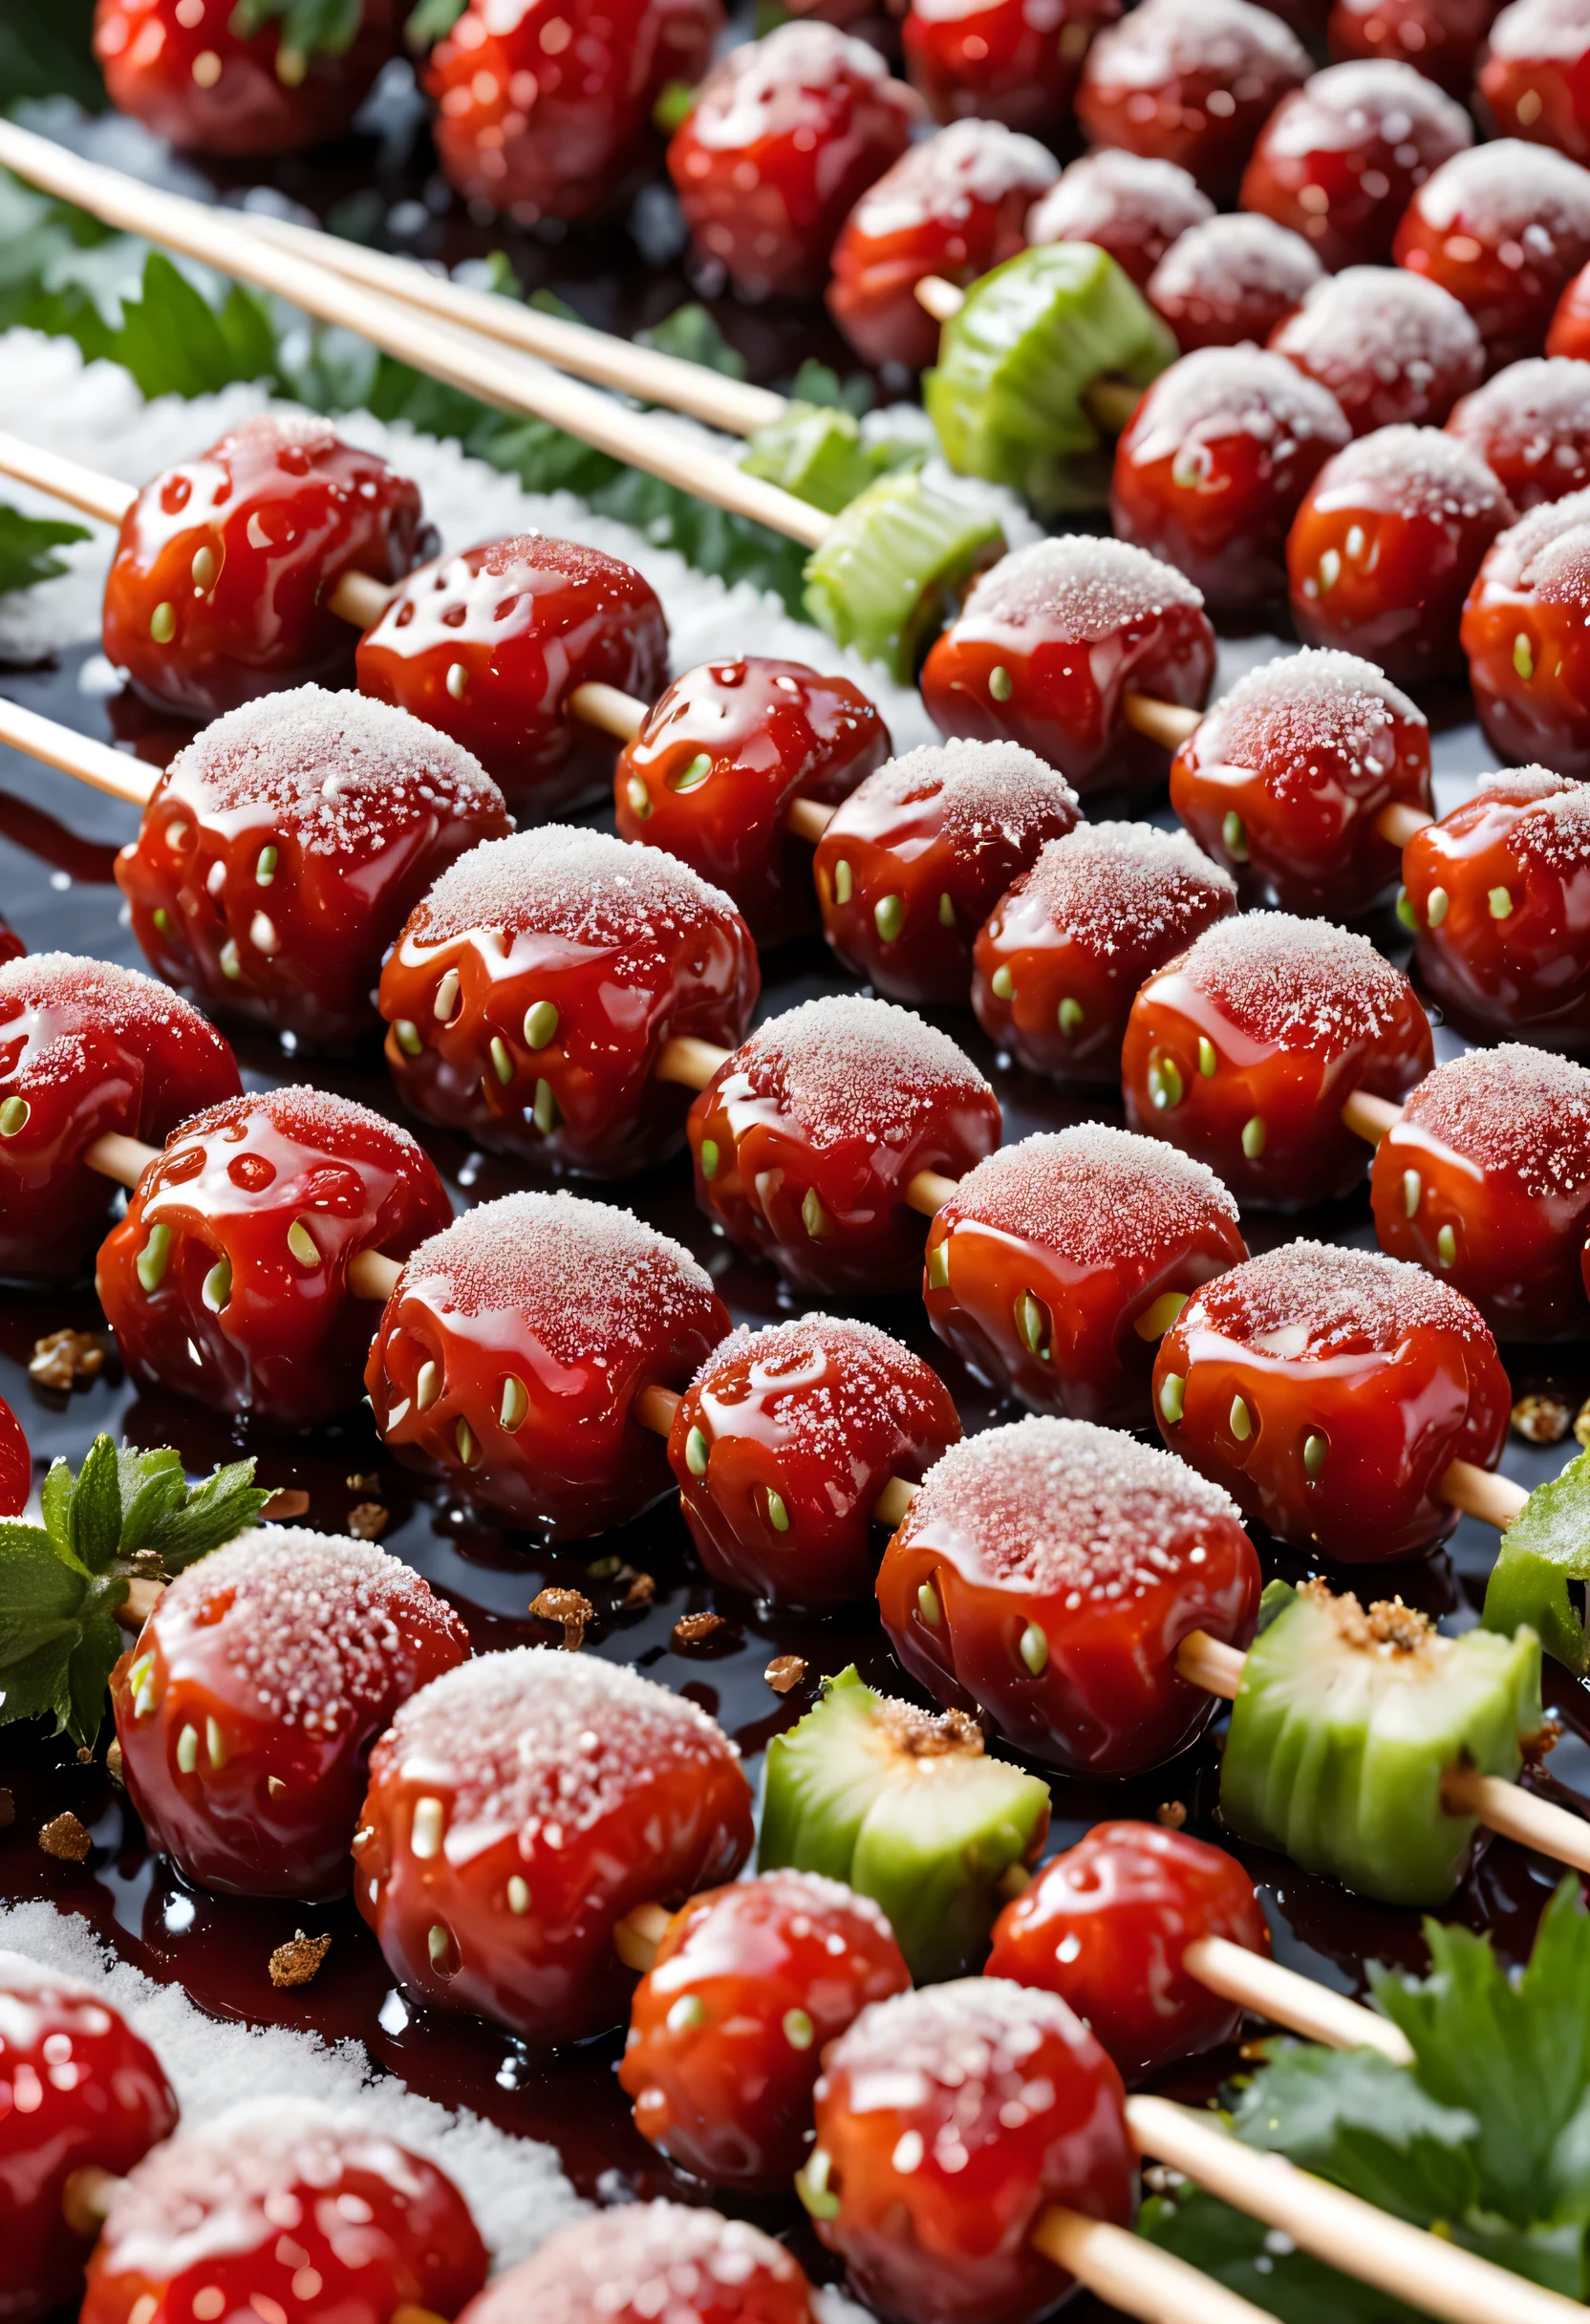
(908, 1810)
(894, 557)
(817, 453)
(1544, 1551)
(1345, 1724)
(1009, 395)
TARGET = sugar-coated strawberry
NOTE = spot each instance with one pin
(211, 77)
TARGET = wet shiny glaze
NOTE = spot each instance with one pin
(259, 101)
(1003, 61)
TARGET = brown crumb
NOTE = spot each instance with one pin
(113, 1762)
(569, 1608)
(1172, 1813)
(285, 1504)
(1538, 1746)
(784, 1671)
(928, 1735)
(85, 1756)
(368, 1521)
(364, 1484)
(641, 1591)
(1541, 1419)
(8, 1809)
(65, 1837)
(296, 1962)
(695, 1629)
(65, 1360)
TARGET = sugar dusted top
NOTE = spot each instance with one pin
(1414, 472)
(639, 2258)
(1296, 984)
(1538, 412)
(1508, 191)
(315, 1118)
(346, 775)
(1079, 588)
(1547, 552)
(1111, 192)
(959, 2053)
(1554, 31)
(1318, 1299)
(1288, 717)
(1345, 107)
(782, 84)
(73, 1003)
(1234, 391)
(827, 1380)
(1096, 1193)
(1384, 321)
(1520, 1111)
(1224, 259)
(1553, 832)
(987, 790)
(942, 177)
(845, 1067)
(1165, 39)
(1126, 889)
(561, 880)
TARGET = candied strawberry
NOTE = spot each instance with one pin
(86, 1050)
(607, 2268)
(531, 991)
(785, 137)
(1536, 75)
(1504, 227)
(999, 60)
(193, 73)
(228, 1278)
(1044, 1576)
(1189, 81)
(219, 586)
(284, 848)
(488, 646)
(16, 1464)
(1339, 158)
(1441, 38)
(518, 1808)
(728, 2029)
(1386, 545)
(1127, 203)
(1328, 1391)
(918, 856)
(782, 1444)
(806, 1141)
(1230, 279)
(1499, 892)
(721, 760)
(1389, 345)
(247, 1707)
(543, 108)
(1051, 642)
(1485, 1180)
(1570, 325)
(83, 2092)
(1524, 632)
(1244, 1051)
(1531, 425)
(544, 1310)
(1107, 1926)
(947, 2121)
(1288, 772)
(954, 206)
(1061, 955)
(283, 2208)
(1213, 465)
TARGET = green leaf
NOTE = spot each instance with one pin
(55, 1500)
(1354, 2118)
(225, 1505)
(432, 20)
(152, 1483)
(1544, 1552)
(309, 26)
(47, 49)
(41, 1603)
(94, 1657)
(93, 1517)
(26, 542)
(175, 343)
(1240, 2254)
(691, 334)
(819, 383)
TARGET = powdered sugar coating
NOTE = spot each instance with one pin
(1511, 1108)
(1383, 329)
(1554, 32)
(1164, 40)
(872, 1375)
(1554, 832)
(1094, 1192)
(1368, 100)
(1283, 717)
(1234, 391)
(1296, 984)
(344, 773)
(315, 1118)
(1509, 191)
(842, 1061)
(1348, 1302)
(779, 85)
(97, 1000)
(1531, 423)
(985, 790)
(962, 2046)
(1547, 552)
(1128, 887)
(1121, 200)
(655, 2259)
(561, 880)
(1082, 590)
(1414, 472)
(942, 177)
(1233, 263)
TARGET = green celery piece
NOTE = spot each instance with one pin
(1545, 1548)
(1014, 365)
(926, 1836)
(815, 453)
(880, 579)
(1336, 1754)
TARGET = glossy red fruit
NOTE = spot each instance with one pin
(1389, 345)
(489, 647)
(1213, 465)
(1381, 553)
(606, 2269)
(581, 1791)
(806, 1141)
(1051, 641)
(784, 1442)
(1060, 956)
(227, 1280)
(1535, 77)
(918, 857)
(1190, 81)
(284, 848)
(1505, 229)
(83, 2093)
(531, 991)
(1106, 1926)
(85, 1049)
(1046, 1574)
(998, 60)
(954, 206)
(1232, 279)
(246, 1709)
(948, 2120)
(1244, 1050)
(16, 1464)
(1127, 203)
(219, 589)
(1284, 780)
(721, 760)
(1441, 38)
(545, 110)
(1056, 1264)
(1531, 425)
(509, 1357)
(1524, 634)
(243, 2212)
(786, 135)
(1485, 1181)
(187, 70)
(1328, 1391)
(1569, 333)
(1339, 159)
(728, 2029)
(1499, 896)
